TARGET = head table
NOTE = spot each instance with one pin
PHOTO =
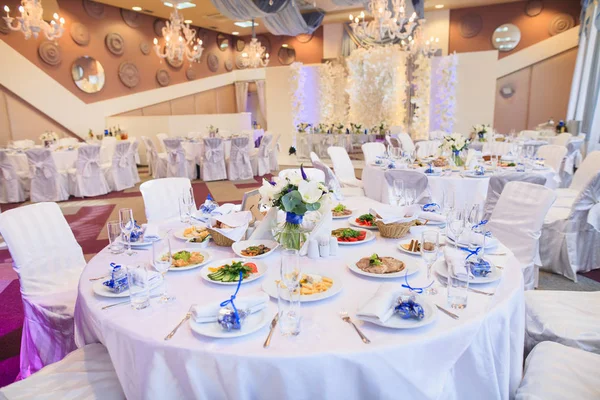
(478, 356)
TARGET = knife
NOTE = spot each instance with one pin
(273, 325)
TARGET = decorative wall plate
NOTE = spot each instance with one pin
(93, 9)
(3, 27)
(145, 48)
(131, 18)
(50, 53)
(129, 74)
(175, 63)
(213, 62)
(304, 37)
(470, 25)
(534, 8)
(162, 77)
(158, 25)
(560, 24)
(240, 45)
(115, 43)
(80, 34)
(228, 65)
(190, 74)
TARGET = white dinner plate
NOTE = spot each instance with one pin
(237, 247)
(402, 249)
(353, 222)
(206, 254)
(262, 269)
(144, 243)
(470, 174)
(254, 322)
(370, 236)
(412, 266)
(396, 322)
(101, 290)
(343, 216)
(441, 268)
(490, 243)
(269, 286)
(179, 233)
(541, 168)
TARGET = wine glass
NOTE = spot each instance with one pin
(475, 215)
(288, 289)
(186, 204)
(162, 258)
(398, 187)
(430, 246)
(456, 224)
(127, 224)
(410, 196)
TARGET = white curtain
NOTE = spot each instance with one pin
(241, 96)
(262, 97)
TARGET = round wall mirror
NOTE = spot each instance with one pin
(222, 41)
(88, 74)
(286, 55)
(506, 37)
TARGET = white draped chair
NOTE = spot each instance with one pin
(148, 145)
(274, 153)
(133, 153)
(47, 183)
(557, 372)
(437, 135)
(497, 183)
(314, 157)
(529, 134)
(406, 143)
(87, 178)
(178, 164)
(334, 184)
(572, 161)
(373, 150)
(23, 144)
(312, 174)
(342, 165)
(388, 141)
(108, 148)
(85, 374)
(571, 237)
(412, 180)
(495, 148)
(553, 155)
(12, 185)
(562, 139)
(584, 174)
(428, 148)
(68, 141)
(260, 158)
(118, 173)
(517, 222)
(161, 142)
(213, 162)
(49, 262)
(161, 197)
(239, 166)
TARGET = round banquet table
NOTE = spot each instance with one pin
(467, 191)
(478, 356)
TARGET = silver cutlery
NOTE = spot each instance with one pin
(273, 325)
(188, 315)
(125, 302)
(346, 318)
(100, 277)
(448, 313)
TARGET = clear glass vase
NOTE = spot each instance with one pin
(291, 235)
(457, 158)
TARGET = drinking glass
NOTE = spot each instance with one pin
(127, 224)
(410, 196)
(447, 202)
(289, 293)
(474, 217)
(530, 152)
(398, 186)
(494, 162)
(456, 224)
(430, 246)
(114, 237)
(139, 286)
(458, 286)
(186, 205)
(161, 260)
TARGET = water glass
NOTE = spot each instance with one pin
(458, 287)
(456, 224)
(186, 205)
(114, 237)
(410, 196)
(475, 215)
(127, 224)
(494, 162)
(289, 293)
(398, 188)
(430, 247)
(161, 260)
(139, 286)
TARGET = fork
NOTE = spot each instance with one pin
(346, 318)
(188, 315)
(100, 277)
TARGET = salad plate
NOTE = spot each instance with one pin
(187, 258)
(441, 268)
(253, 323)
(341, 211)
(343, 233)
(195, 231)
(411, 266)
(262, 248)
(396, 322)
(230, 274)
(270, 287)
(363, 221)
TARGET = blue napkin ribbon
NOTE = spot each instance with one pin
(232, 298)
(413, 289)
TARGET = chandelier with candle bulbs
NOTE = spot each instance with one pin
(255, 54)
(387, 26)
(180, 41)
(31, 21)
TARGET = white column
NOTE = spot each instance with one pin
(587, 64)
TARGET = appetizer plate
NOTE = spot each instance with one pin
(270, 287)
(179, 234)
(262, 269)
(370, 236)
(441, 268)
(254, 322)
(205, 254)
(343, 216)
(101, 290)
(237, 247)
(412, 253)
(357, 225)
(395, 322)
(411, 266)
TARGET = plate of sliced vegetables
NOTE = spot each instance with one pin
(348, 236)
(227, 271)
(366, 221)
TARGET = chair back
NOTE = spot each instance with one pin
(314, 157)
(498, 182)
(122, 175)
(428, 148)
(176, 162)
(331, 180)
(213, 149)
(342, 165)
(161, 141)
(412, 180)
(373, 150)
(88, 161)
(133, 150)
(265, 142)
(312, 174)
(44, 175)
(586, 171)
(586, 207)
(161, 197)
(562, 139)
(553, 156)
(45, 254)
(11, 190)
(8, 171)
(240, 166)
(406, 142)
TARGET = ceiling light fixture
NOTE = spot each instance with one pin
(180, 41)
(31, 21)
(180, 5)
(235, 33)
(256, 54)
(188, 21)
(438, 6)
(386, 25)
(245, 24)
(136, 8)
(284, 45)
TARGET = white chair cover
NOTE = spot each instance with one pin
(213, 162)
(497, 183)
(529, 134)
(562, 139)
(159, 160)
(428, 148)
(573, 160)
(68, 141)
(553, 155)
(334, 184)
(406, 142)
(178, 166)
(312, 174)
(344, 170)
(274, 153)
(586, 171)
(87, 178)
(108, 148)
(47, 183)
(260, 159)
(412, 180)
(49, 262)
(388, 141)
(437, 135)
(239, 166)
(161, 142)
(119, 173)
(314, 157)
(133, 153)
(161, 197)
(23, 144)
(497, 148)
(373, 150)
(11, 185)
(570, 241)
(517, 222)
(557, 372)
(84, 374)
(569, 318)
(148, 145)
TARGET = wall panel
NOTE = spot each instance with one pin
(511, 113)
(206, 102)
(226, 99)
(183, 106)
(163, 108)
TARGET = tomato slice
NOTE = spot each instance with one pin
(252, 266)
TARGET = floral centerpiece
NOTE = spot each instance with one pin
(481, 132)
(296, 195)
(48, 138)
(303, 127)
(455, 143)
(321, 128)
(380, 129)
(212, 131)
(338, 128)
(356, 128)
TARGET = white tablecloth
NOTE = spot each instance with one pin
(64, 160)
(467, 191)
(476, 357)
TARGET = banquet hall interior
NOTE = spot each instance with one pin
(293, 199)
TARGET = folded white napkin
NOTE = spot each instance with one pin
(391, 214)
(431, 216)
(263, 228)
(469, 236)
(151, 232)
(223, 209)
(381, 306)
(455, 259)
(208, 312)
(238, 222)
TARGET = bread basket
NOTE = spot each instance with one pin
(394, 230)
(220, 239)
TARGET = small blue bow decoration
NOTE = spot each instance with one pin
(413, 289)
(229, 317)
(431, 207)
(408, 308)
(429, 170)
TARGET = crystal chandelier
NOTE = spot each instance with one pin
(255, 55)
(180, 41)
(31, 21)
(387, 25)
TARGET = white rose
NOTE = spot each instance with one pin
(267, 192)
(310, 191)
(294, 179)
